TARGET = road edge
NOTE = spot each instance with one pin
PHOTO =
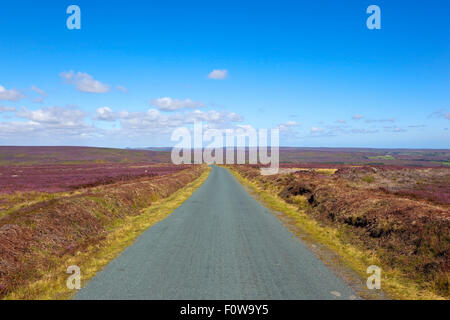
(96, 257)
(306, 229)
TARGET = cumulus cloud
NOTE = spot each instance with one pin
(60, 125)
(218, 74)
(212, 117)
(154, 121)
(357, 117)
(15, 128)
(52, 124)
(106, 114)
(10, 95)
(7, 109)
(283, 127)
(84, 82)
(38, 100)
(169, 104)
(54, 116)
(151, 121)
(26, 131)
(316, 130)
(234, 117)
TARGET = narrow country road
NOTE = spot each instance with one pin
(220, 244)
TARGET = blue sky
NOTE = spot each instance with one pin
(138, 69)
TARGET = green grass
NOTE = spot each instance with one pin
(368, 179)
(15, 201)
(386, 157)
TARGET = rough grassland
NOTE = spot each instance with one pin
(402, 273)
(53, 178)
(39, 242)
(10, 155)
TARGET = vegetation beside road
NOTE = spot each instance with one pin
(88, 229)
(407, 238)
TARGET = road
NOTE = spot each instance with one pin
(220, 244)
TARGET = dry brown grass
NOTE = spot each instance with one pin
(34, 238)
(431, 184)
(411, 237)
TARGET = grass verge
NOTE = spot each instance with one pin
(95, 257)
(394, 284)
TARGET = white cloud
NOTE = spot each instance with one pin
(69, 124)
(134, 123)
(53, 125)
(84, 82)
(39, 91)
(55, 117)
(212, 117)
(287, 125)
(363, 131)
(7, 109)
(13, 129)
(42, 94)
(150, 121)
(357, 117)
(316, 130)
(121, 89)
(234, 117)
(393, 129)
(10, 95)
(106, 114)
(441, 113)
(209, 116)
(25, 132)
(218, 74)
(169, 104)
(153, 114)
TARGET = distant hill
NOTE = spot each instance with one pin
(355, 156)
(168, 149)
(76, 155)
(338, 156)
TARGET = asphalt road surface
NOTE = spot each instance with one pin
(220, 244)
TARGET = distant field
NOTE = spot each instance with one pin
(78, 155)
(313, 156)
(355, 156)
